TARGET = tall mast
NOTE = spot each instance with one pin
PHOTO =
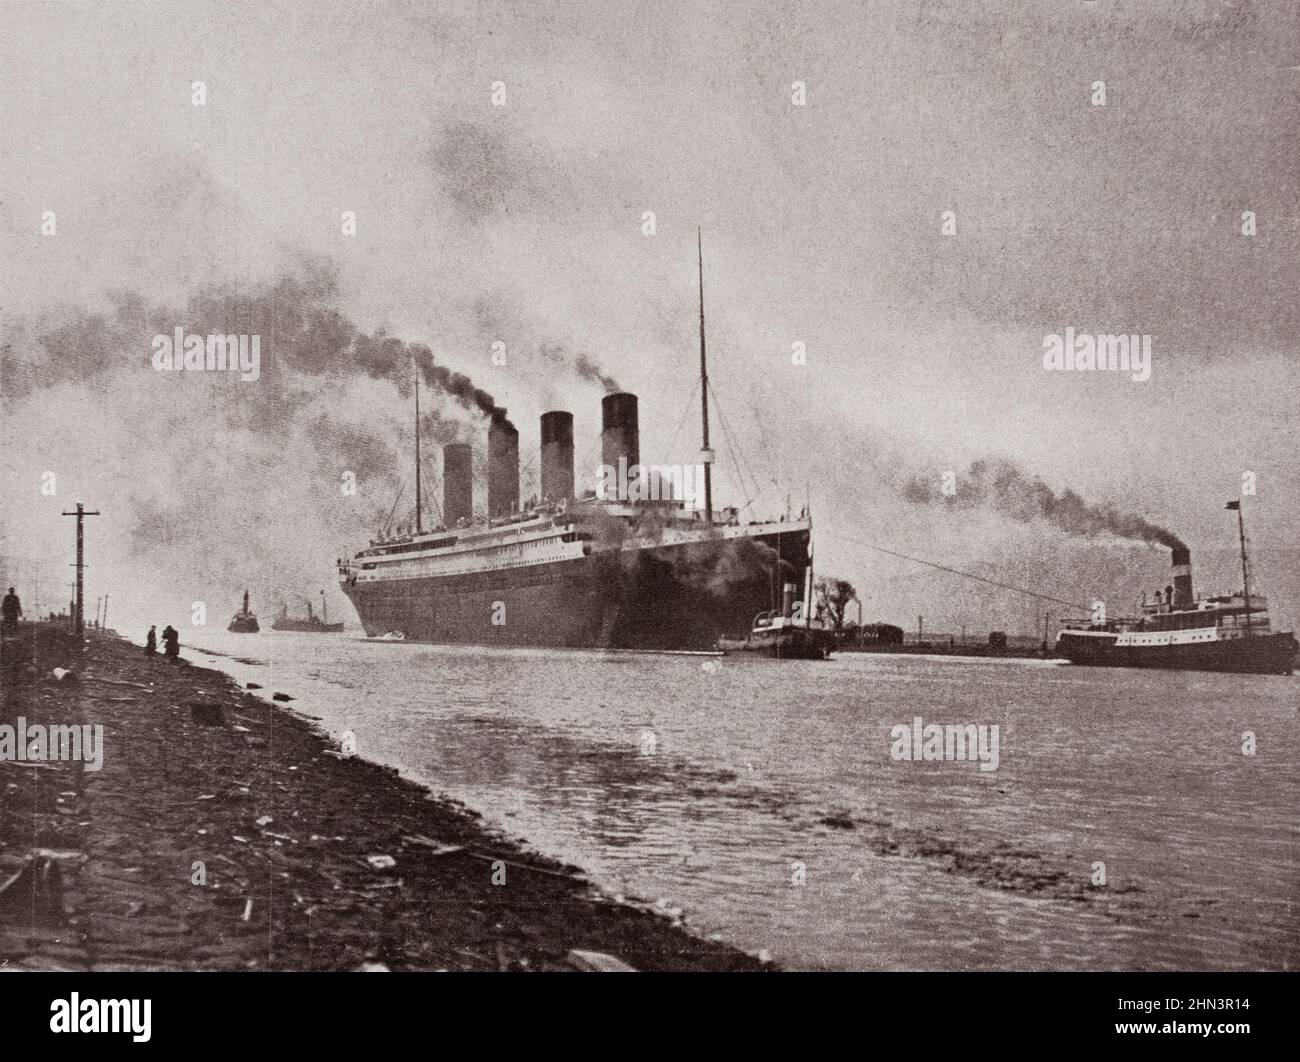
(419, 526)
(1245, 573)
(706, 454)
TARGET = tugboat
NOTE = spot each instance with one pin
(1230, 632)
(244, 621)
(313, 624)
(794, 633)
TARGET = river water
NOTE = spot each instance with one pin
(761, 798)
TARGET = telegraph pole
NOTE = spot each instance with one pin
(79, 615)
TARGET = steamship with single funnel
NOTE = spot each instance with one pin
(245, 620)
(1228, 632)
(794, 633)
(636, 571)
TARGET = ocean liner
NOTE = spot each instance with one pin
(1229, 632)
(626, 572)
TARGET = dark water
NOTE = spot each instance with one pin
(762, 800)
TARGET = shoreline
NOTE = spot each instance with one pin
(225, 831)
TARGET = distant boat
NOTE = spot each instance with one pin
(313, 624)
(244, 621)
(391, 636)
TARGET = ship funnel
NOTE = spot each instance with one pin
(1182, 559)
(503, 469)
(457, 484)
(557, 456)
(787, 598)
(619, 435)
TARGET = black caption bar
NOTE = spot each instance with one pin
(141, 1011)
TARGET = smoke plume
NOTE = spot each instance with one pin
(208, 483)
(1000, 486)
(589, 370)
(458, 386)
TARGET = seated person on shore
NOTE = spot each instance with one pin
(171, 641)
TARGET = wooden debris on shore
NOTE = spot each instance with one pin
(35, 891)
(597, 962)
(117, 682)
(435, 848)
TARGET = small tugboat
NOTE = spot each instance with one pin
(1227, 632)
(244, 621)
(794, 633)
(313, 624)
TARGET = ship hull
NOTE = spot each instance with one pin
(679, 597)
(1269, 654)
(793, 644)
(302, 627)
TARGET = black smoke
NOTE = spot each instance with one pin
(1000, 486)
(589, 370)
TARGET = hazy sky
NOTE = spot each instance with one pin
(523, 223)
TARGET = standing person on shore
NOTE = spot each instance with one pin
(11, 608)
(151, 641)
(171, 641)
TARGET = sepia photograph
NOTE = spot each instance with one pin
(770, 487)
